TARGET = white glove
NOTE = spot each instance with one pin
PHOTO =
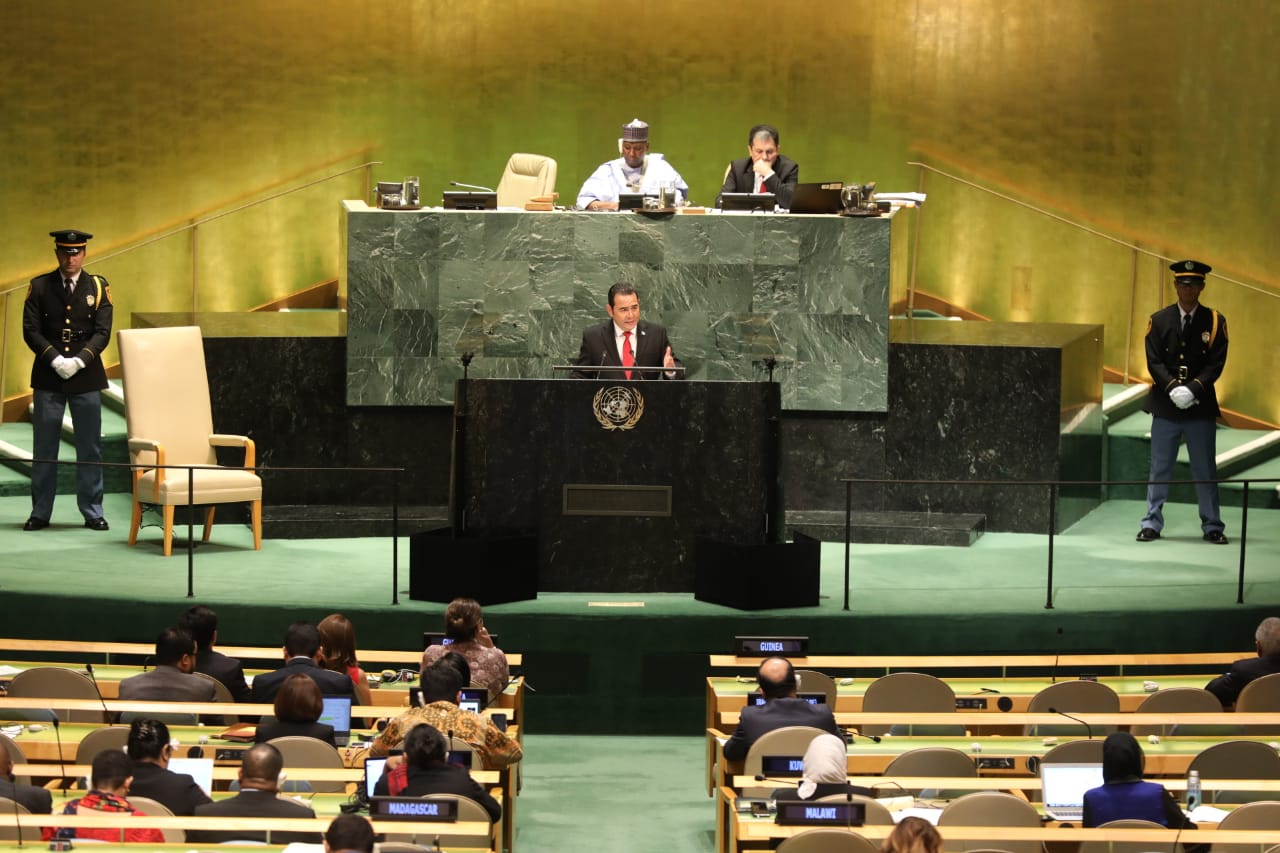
(61, 365)
(1182, 397)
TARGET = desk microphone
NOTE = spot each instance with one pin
(1088, 728)
(106, 713)
(62, 766)
(852, 734)
(472, 187)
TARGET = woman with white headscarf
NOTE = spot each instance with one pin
(825, 772)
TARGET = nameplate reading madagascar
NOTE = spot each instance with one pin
(795, 813)
(413, 808)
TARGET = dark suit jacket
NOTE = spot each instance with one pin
(269, 731)
(227, 670)
(443, 779)
(1227, 687)
(782, 183)
(267, 685)
(599, 348)
(1203, 352)
(177, 791)
(167, 684)
(776, 714)
(33, 799)
(44, 317)
(251, 803)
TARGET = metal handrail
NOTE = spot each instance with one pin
(7, 291)
(1095, 232)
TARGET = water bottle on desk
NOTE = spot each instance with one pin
(1193, 790)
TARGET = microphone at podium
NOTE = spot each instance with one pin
(472, 187)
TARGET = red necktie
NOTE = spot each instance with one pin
(628, 357)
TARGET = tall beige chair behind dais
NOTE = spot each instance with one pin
(526, 176)
(170, 422)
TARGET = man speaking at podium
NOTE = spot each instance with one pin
(624, 340)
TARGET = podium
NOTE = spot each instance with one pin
(618, 481)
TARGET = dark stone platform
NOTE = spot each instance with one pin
(890, 528)
(327, 521)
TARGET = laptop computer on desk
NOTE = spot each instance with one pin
(1063, 787)
(817, 198)
(337, 713)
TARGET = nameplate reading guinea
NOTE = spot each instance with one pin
(750, 647)
(795, 813)
(413, 808)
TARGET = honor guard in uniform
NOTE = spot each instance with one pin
(66, 321)
(1186, 351)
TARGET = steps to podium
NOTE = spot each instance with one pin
(890, 528)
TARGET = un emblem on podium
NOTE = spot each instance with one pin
(618, 407)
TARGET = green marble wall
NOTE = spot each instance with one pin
(517, 289)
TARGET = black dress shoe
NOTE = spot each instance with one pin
(1216, 537)
(34, 523)
(1148, 534)
(97, 524)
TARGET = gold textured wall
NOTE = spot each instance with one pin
(1150, 120)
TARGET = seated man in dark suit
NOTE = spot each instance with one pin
(425, 770)
(259, 785)
(302, 655)
(150, 749)
(764, 170)
(33, 799)
(202, 624)
(1227, 687)
(777, 680)
(624, 340)
(172, 679)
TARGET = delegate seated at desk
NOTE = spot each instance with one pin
(826, 772)
(764, 170)
(425, 770)
(777, 679)
(1227, 686)
(624, 340)
(259, 787)
(1124, 795)
(636, 171)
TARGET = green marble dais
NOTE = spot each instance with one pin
(516, 289)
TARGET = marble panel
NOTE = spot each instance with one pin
(811, 291)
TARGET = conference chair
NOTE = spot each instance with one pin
(1127, 846)
(526, 176)
(30, 835)
(53, 682)
(220, 694)
(468, 810)
(307, 752)
(16, 756)
(155, 808)
(170, 422)
(812, 681)
(1262, 695)
(457, 744)
(1263, 815)
(1073, 697)
(910, 691)
(932, 761)
(108, 737)
(1182, 700)
(989, 808)
(827, 841)
(1236, 759)
(1075, 752)
(876, 813)
(788, 740)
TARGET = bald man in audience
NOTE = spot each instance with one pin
(259, 786)
(33, 799)
(777, 680)
(1227, 686)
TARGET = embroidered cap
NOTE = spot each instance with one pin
(635, 131)
(71, 242)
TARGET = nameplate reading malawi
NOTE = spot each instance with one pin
(413, 808)
(820, 814)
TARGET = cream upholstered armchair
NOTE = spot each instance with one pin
(170, 422)
(526, 176)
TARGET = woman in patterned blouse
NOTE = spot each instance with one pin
(464, 626)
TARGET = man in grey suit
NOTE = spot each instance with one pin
(777, 680)
(259, 784)
(171, 680)
(33, 799)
